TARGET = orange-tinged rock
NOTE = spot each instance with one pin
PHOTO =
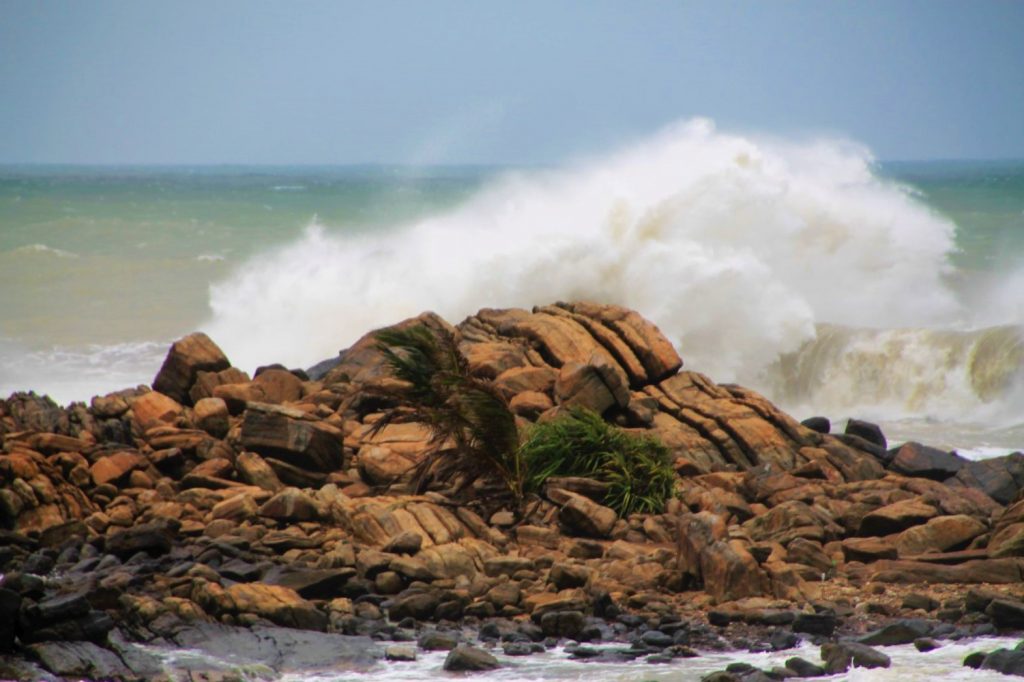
(156, 409)
(941, 534)
(278, 604)
(187, 357)
(114, 467)
(211, 415)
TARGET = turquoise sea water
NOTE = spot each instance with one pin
(833, 283)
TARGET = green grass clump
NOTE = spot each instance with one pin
(581, 443)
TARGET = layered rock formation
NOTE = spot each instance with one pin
(273, 501)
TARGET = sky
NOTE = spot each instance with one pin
(531, 82)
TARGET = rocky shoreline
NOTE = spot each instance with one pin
(266, 518)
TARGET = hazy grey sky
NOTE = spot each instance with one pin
(506, 82)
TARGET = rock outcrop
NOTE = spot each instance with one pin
(276, 502)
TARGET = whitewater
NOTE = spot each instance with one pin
(795, 266)
(791, 267)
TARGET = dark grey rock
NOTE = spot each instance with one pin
(39, 563)
(839, 656)
(819, 424)
(10, 603)
(522, 648)
(312, 583)
(870, 432)
(465, 658)
(922, 461)
(1005, 661)
(920, 601)
(57, 608)
(902, 631)
(154, 538)
(1006, 613)
(815, 623)
(562, 623)
(999, 477)
(657, 639)
(92, 627)
(283, 649)
(414, 604)
(434, 640)
(925, 644)
(80, 660)
(974, 660)
(804, 668)
(781, 640)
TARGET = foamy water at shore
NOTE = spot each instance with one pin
(908, 665)
(800, 268)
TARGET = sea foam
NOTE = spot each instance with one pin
(737, 247)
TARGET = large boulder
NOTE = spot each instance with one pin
(389, 454)
(730, 572)
(278, 604)
(914, 459)
(285, 434)
(113, 468)
(187, 357)
(465, 658)
(941, 534)
(839, 656)
(597, 384)
(999, 477)
(896, 517)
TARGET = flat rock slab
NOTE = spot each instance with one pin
(283, 649)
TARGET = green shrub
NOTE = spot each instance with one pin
(581, 443)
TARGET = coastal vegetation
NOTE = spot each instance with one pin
(474, 432)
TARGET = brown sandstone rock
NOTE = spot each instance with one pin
(211, 415)
(1007, 541)
(530, 404)
(730, 572)
(206, 382)
(155, 409)
(596, 384)
(238, 508)
(896, 517)
(290, 504)
(655, 352)
(915, 459)
(276, 433)
(941, 534)
(995, 571)
(278, 604)
(525, 379)
(254, 470)
(186, 358)
(868, 549)
(582, 516)
(791, 520)
(114, 467)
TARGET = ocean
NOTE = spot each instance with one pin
(834, 283)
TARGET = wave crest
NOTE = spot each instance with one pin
(737, 247)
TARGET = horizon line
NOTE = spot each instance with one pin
(396, 164)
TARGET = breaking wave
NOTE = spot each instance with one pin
(787, 265)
